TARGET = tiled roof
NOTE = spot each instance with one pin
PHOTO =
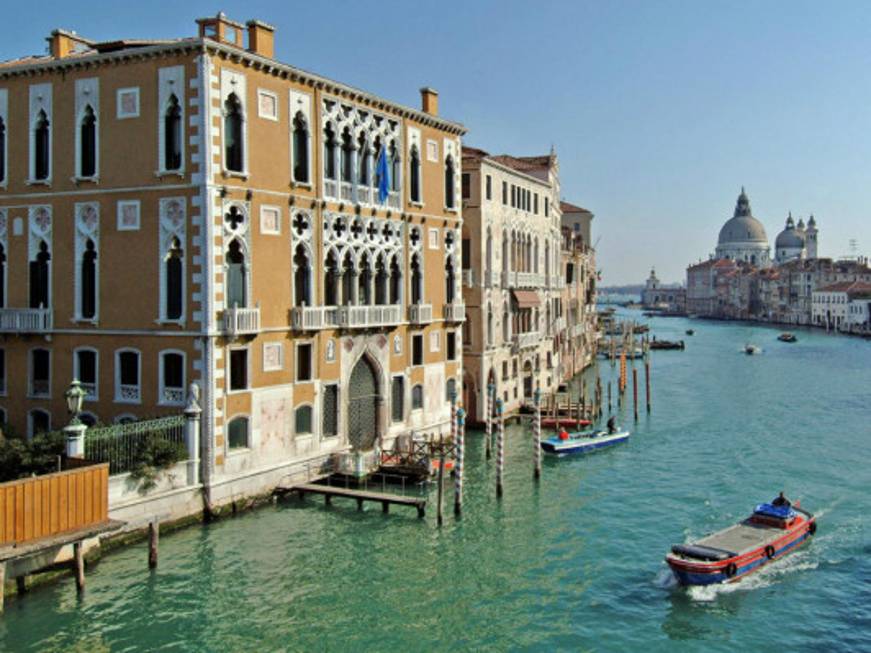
(95, 48)
(523, 163)
(567, 207)
(849, 287)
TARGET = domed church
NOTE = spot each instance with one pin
(796, 241)
(743, 237)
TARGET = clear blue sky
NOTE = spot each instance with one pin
(659, 111)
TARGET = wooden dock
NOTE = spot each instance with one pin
(328, 492)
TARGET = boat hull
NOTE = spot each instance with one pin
(582, 445)
(732, 569)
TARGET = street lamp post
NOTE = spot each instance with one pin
(75, 430)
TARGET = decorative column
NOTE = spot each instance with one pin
(488, 408)
(458, 462)
(537, 433)
(500, 448)
(192, 414)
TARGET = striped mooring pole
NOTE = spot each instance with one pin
(537, 433)
(453, 415)
(500, 447)
(488, 409)
(458, 463)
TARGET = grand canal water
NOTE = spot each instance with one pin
(573, 564)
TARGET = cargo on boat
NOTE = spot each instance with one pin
(771, 532)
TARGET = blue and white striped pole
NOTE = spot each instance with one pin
(488, 412)
(536, 429)
(500, 448)
(458, 462)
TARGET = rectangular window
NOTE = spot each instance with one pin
(535, 204)
(467, 253)
(570, 272)
(238, 369)
(267, 105)
(467, 185)
(330, 411)
(451, 345)
(86, 372)
(127, 377)
(397, 399)
(489, 187)
(417, 397)
(304, 362)
(504, 370)
(303, 420)
(127, 100)
(513, 196)
(40, 373)
(128, 215)
(505, 193)
(417, 349)
(546, 207)
(270, 220)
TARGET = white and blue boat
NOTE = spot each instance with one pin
(583, 442)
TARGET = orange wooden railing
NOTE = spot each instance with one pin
(52, 504)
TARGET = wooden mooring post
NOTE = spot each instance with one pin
(647, 382)
(458, 462)
(153, 538)
(441, 489)
(635, 392)
(79, 564)
(488, 406)
(609, 397)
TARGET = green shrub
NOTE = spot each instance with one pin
(20, 458)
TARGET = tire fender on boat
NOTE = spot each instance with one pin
(812, 527)
(769, 551)
(730, 570)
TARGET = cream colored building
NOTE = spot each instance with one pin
(511, 277)
(194, 211)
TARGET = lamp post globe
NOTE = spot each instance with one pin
(74, 395)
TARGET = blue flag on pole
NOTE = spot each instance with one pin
(383, 172)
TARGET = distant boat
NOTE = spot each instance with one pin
(691, 332)
(769, 533)
(787, 337)
(751, 349)
(666, 344)
(583, 442)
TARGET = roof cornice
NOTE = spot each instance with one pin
(28, 69)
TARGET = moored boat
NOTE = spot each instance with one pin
(771, 532)
(567, 420)
(583, 442)
(787, 337)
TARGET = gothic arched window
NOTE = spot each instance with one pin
(329, 153)
(348, 280)
(237, 295)
(300, 149)
(449, 182)
(414, 175)
(234, 156)
(301, 277)
(395, 282)
(380, 281)
(2, 151)
(88, 143)
(40, 277)
(174, 281)
(41, 147)
(449, 280)
(172, 135)
(347, 156)
(88, 297)
(331, 280)
(416, 280)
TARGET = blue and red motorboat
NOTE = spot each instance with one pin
(773, 530)
(582, 441)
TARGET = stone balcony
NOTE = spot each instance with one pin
(240, 321)
(312, 318)
(523, 340)
(468, 278)
(420, 313)
(25, 320)
(454, 312)
(363, 317)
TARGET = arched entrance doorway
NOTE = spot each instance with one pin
(470, 397)
(527, 380)
(363, 406)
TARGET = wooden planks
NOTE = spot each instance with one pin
(44, 506)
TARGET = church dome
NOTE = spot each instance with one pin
(790, 237)
(742, 227)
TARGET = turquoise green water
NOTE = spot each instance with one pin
(575, 563)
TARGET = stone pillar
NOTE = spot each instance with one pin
(75, 432)
(192, 414)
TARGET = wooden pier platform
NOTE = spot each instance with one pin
(328, 492)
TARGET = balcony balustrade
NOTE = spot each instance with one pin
(420, 313)
(40, 388)
(346, 191)
(523, 340)
(491, 279)
(368, 316)
(312, 318)
(90, 391)
(393, 199)
(129, 393)
(330, 188)
(364, 195)
(241, 321)
(25, 320)
(174, 396)
(454, 312)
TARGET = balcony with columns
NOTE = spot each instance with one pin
(364, 317)
(420, 313)
(313, 318)
(238, 321)
(454, 312)
(26, 320)
(524, 340)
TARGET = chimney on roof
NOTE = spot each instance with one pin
(221, 29)
(261, 38)
(62, 43)
(429, 101)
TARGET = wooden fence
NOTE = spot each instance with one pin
(48, 505)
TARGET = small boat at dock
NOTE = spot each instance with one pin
(787, 337)
(771, 532)
(583, 442)
(666, 344)
(567, 420)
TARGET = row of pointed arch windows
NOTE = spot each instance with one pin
(39, 280)
(87, 156)
(354, 163)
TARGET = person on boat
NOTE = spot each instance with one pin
(612, 424)
(781, 500)
(563, 435)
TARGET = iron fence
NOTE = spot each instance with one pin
(124, 446)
